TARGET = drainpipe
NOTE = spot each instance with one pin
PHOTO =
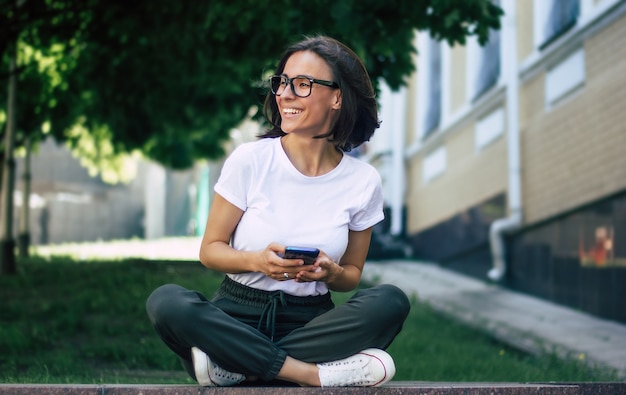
(508, 224)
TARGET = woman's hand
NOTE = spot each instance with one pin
(324, 269)
(272, 265)
(346, 276)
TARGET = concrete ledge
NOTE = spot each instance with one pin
(394, 388)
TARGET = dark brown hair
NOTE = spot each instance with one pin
(358, 115)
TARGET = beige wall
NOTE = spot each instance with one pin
(457, 69)
(576, 153)
(410, 135)
(525, 37)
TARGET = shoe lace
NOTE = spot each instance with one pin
(221, 376)
(219, 373)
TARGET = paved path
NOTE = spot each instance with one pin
(523, 321)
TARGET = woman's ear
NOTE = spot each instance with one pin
(337, 100)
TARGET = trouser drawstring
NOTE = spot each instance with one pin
(268, 302)
(269, 312)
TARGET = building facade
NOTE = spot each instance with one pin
(68, 205)
(508, 161)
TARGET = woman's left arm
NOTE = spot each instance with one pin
(345, 275)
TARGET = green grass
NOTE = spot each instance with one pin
(63, 321)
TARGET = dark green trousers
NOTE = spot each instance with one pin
(251, 332)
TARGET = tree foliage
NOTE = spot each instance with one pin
(172, 78)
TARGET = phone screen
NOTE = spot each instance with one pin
(307, 254)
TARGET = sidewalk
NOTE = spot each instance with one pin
(531, 324)
(391, 388)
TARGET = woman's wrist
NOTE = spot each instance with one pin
(335, 276)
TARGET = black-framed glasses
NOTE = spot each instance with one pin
(300, 85)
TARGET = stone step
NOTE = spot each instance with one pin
(392, 388)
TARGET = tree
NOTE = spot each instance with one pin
(24, 22)
(7, 243)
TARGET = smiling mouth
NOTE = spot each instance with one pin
(291, 111)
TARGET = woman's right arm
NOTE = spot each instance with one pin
(215, 250)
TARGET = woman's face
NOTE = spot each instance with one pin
(312, 115)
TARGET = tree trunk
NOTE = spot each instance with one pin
(23, 238)
(7, 243)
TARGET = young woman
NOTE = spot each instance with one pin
(273, 317)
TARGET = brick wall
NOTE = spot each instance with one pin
(576, 152)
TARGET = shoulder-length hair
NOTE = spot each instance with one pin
(358, 115)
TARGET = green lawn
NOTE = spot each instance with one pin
(63, 321)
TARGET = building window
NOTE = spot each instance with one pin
(433, 105)
(489, 128)
(489, 71)
(565, 78)
(560, 15)
(434, 164)
(489, 58)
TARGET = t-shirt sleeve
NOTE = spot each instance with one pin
(234, 181)
(371, 211)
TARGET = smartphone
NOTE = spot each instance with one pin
(307, 254)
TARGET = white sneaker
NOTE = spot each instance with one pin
(369, 368)
(209, 374)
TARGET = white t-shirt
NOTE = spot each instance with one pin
(282, 205)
